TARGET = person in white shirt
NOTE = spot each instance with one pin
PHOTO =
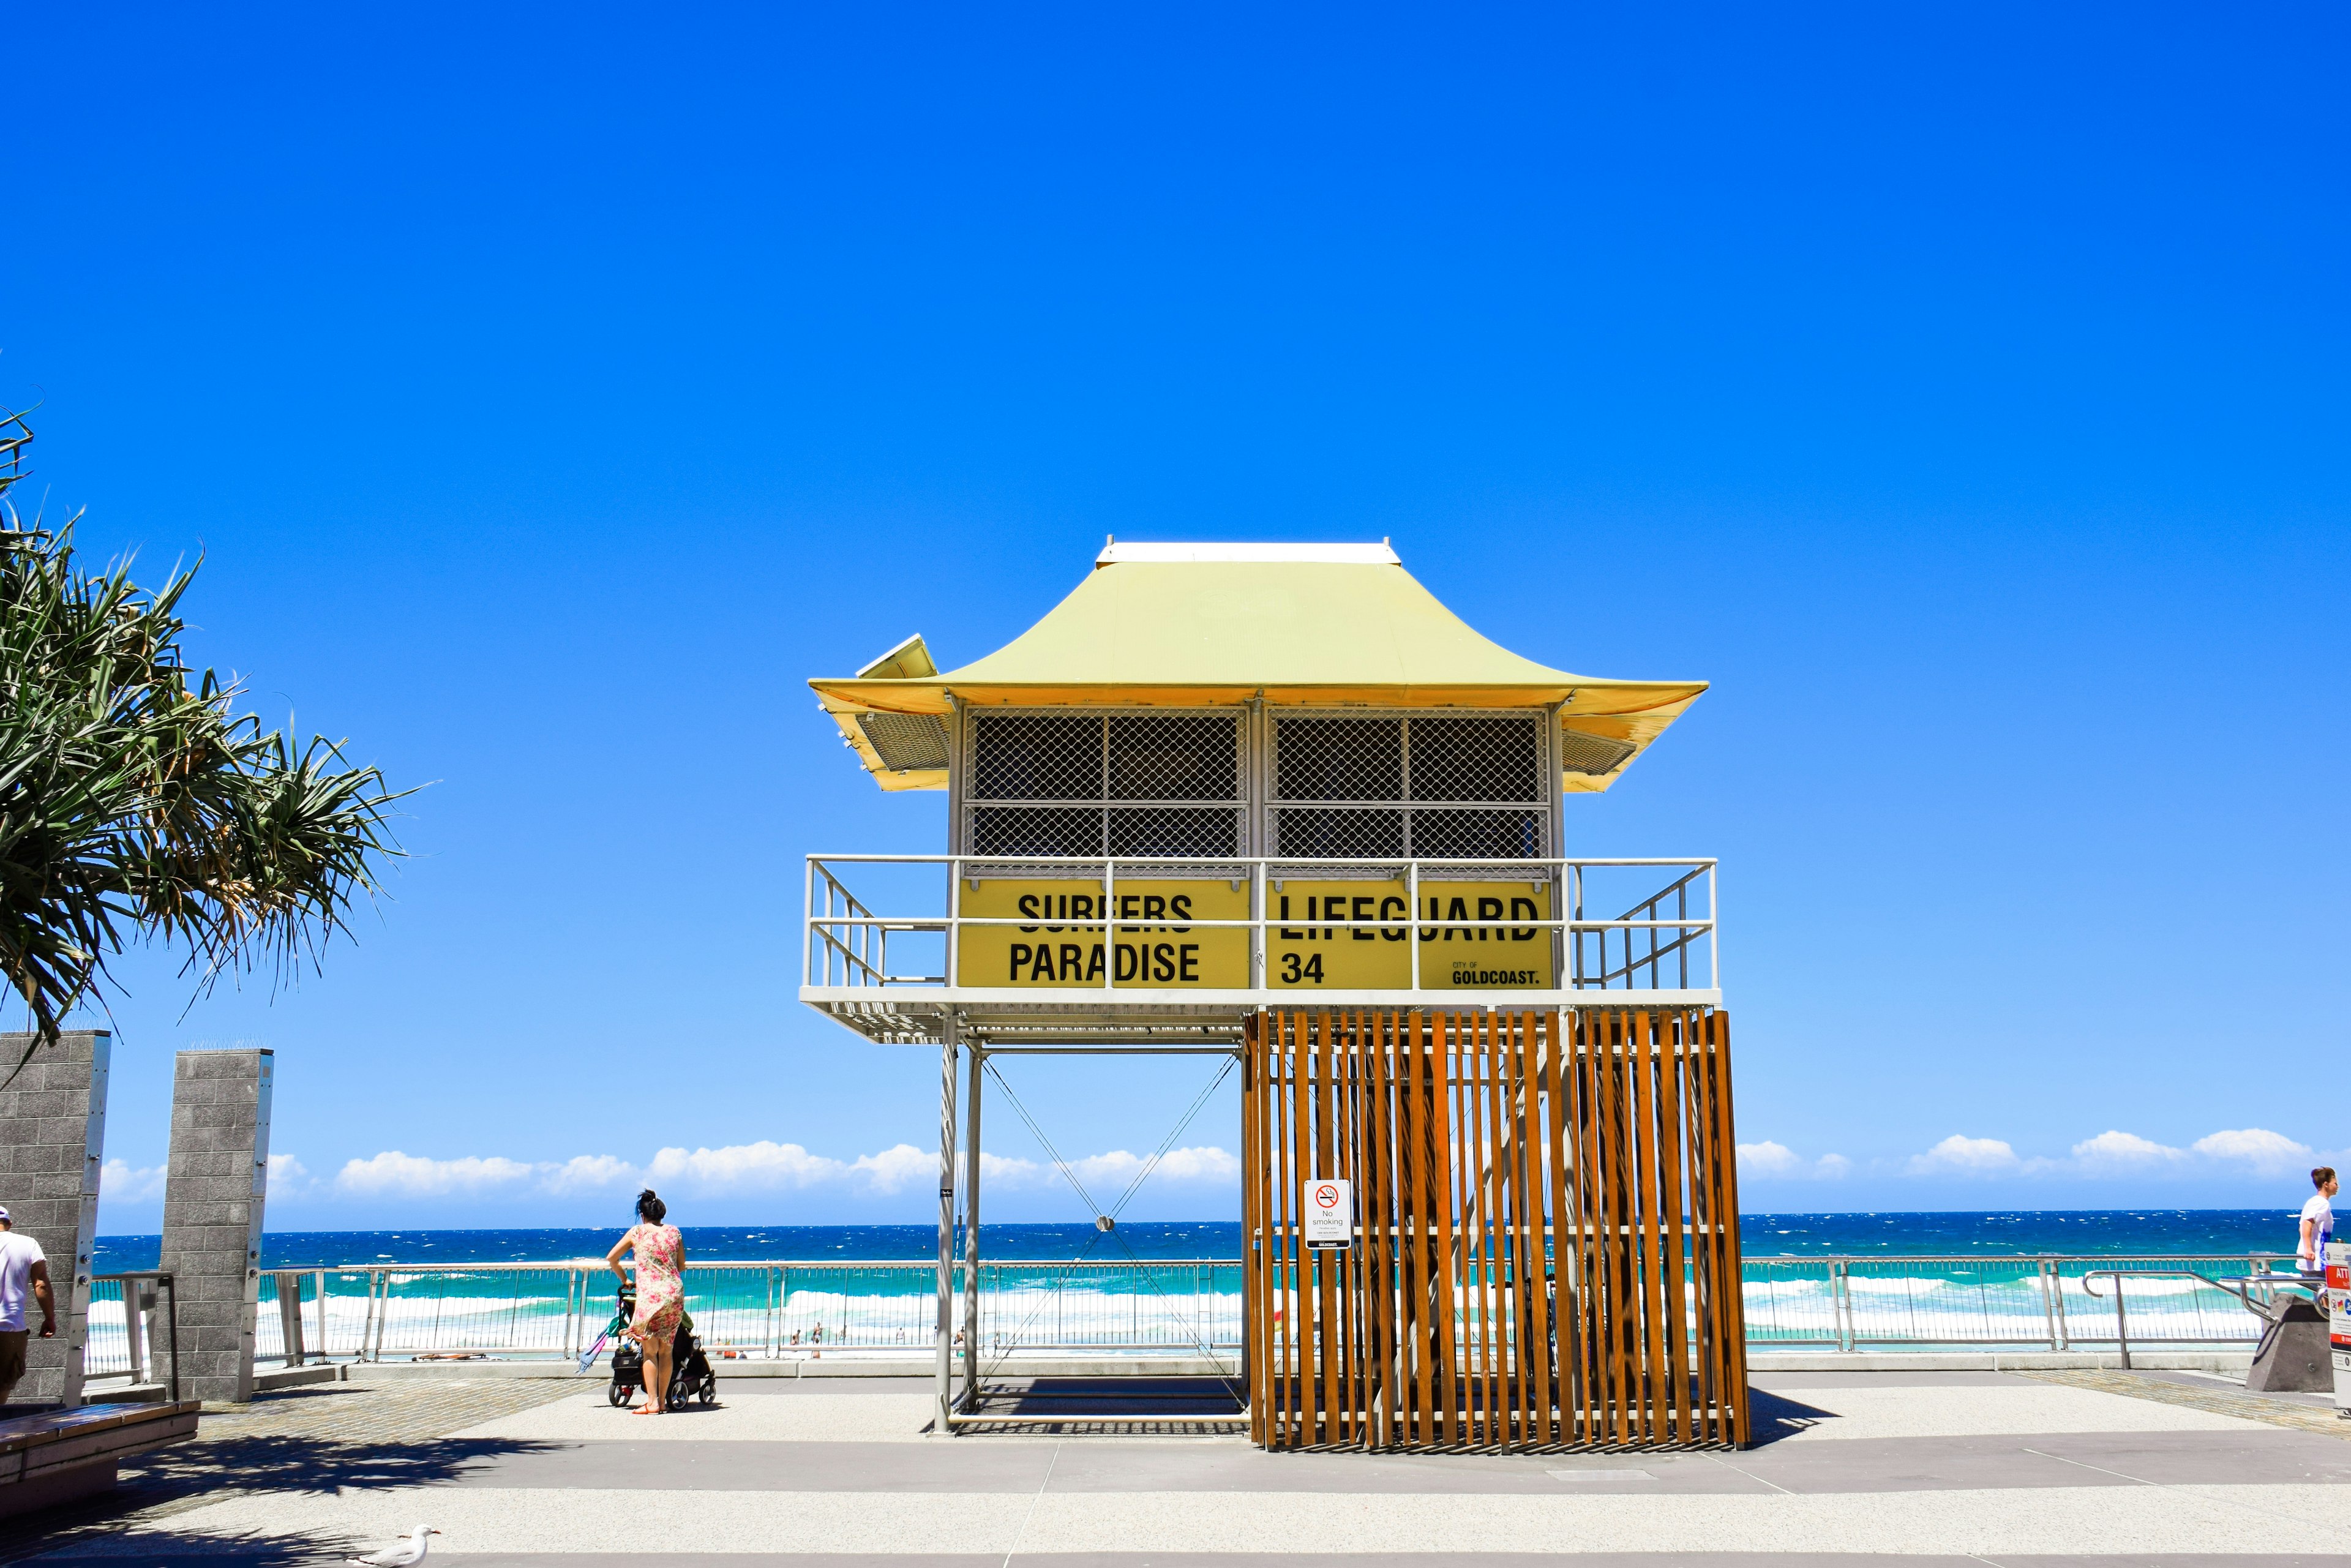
(2318, 1221)
(23, 1272)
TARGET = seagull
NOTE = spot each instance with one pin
(407, 1555)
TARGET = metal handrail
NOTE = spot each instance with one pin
(824, 930)
(1853, 1303)
(2122, 1325)
(135, 1330)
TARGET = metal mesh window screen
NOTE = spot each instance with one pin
(1337, 834)
(1477, 835)
(1175, 757)
(1377, 782)
(1037, 756)
(1178, 834)
(1117, 783)
(905, 741)
(1494, 756)
(1338, 759)
(1036, 830)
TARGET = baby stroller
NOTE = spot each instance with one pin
(690, 1377)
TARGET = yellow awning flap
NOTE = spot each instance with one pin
(1213, 626)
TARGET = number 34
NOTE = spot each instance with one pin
(1292, 972)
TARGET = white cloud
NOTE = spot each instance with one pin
(394, 1174)
(2114, 1149)
(2265, 1151)
(1106, 1175)
(587, 1173)
(1768, 1161)
(2114, 1154)
(763, 1167)
(286, 1175)
(118, 1181)
(1178, 1164)
(1962, 1156)
(1001, 1171)
(901, 1165)
(740, 1166)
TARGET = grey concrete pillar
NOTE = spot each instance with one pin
(212, 1195)
(52, 1141)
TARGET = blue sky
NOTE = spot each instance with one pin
(552, 391)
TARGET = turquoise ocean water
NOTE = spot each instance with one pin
(1989, 1233)
(1991, 1291)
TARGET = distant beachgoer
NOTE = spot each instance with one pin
(661, 1292)
(2318, 1221)
(23, 1272)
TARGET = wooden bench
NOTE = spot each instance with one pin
(57, 1455)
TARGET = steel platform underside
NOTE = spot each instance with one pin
(1163, 1020)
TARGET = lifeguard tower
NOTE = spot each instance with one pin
(1277, 803)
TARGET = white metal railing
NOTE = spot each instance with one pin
(133, 1331)
(761, 1309)
(845, 944)
(2045, 1301)
(775, 1310)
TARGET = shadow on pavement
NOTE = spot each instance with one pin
(93, 1527)
(1772, 1417)
(160, 1548)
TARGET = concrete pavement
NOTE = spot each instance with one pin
(1854, 1468)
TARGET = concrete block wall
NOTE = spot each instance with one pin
(213, 1194)
(52, 1141)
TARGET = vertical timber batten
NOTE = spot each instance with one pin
(1545, 1252)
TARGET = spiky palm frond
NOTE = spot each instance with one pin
(136, 802)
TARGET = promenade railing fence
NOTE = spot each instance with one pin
(786, 1309)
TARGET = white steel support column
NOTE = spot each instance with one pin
(971, 1231)
(943, 1332)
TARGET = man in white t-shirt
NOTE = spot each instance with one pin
(2318, 1221)
(23, 1272)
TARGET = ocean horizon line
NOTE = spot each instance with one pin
(2010, 1232)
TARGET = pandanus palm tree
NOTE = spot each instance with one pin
(137, 804)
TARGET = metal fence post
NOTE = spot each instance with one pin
(380, 1286)
(172, 1326)
(2122, 1323)
(2050, 1301)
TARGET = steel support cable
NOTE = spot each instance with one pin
(1070, 1174)
(1198, 1344)
(1141, 1177)
(1168, 1142)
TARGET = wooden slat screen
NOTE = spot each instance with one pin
(1545, 1250)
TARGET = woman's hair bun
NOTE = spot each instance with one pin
(650, 1208)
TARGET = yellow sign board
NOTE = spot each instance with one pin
(1320, 935)
(1353, 936)
(1156, 946)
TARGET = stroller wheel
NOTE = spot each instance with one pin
(618, 1393)
(708, 1394)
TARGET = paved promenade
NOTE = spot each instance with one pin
(1964, 1467)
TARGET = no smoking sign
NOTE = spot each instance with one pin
(1330, 1211)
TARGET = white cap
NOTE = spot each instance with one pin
(4, 1214)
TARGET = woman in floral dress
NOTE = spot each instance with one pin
(661, 1292)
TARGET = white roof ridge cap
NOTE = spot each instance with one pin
(1133, 552)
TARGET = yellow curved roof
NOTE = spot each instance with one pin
(1193, 626)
